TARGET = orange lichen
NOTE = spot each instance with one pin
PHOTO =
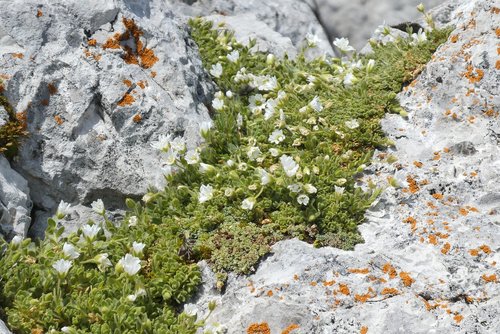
(295, 277)
(112, 42)
(313, 283)
(328, 283)
(390, 291)
(262, 328)
(58, 119)
(437, 154)
(437, 196)
(141, 84)
(18, 55)
(39, 13)
(270, 293)
(418, 164)
(473, 77)
(45, 102)
(359, 271)
(497, 65)
(485, 249)
(290, 328)
(463, 211)
(495, 10)
(406, 278)
(490, 278)
(127, 82)
(473, 252)
(454, 38)
(344, 289)
(126, 100)
(412, 184)
(497, 32)
(390, 270)
(137, 118)
(432, 239)
(52, 89)
(363, 330)
(446, 248)
(92, 42)
(153, 74)
(362, 298)
(458, 318)
(413, 223)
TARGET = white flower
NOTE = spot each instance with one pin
(98, 207)
(191, 310)
(339, 190)
(171, 156)
(62, 266)
(102, 261)
(248, 203)
(228, 192)
(178, 144)
(310, 188)
(90, 231)
(274, 152)
(352, 124)
(16, 240)
(349, 79)
(70, 251)
(206, 168)
(132, 221)
(270, 59)
(303, 110)
(370, 65)
(419, 37)
(233, 56)
(192, 157)
(137, 247)
(266, 83)
(130, 264)
(216, 70)
(276, 137)
(265, 178)
(131, 298)
(229, 94)
(343, 44)
(63, 210)
(239, 121)
(294, 188)
(316, 104)
(230, 163)
(257, 103)
(215, 328)
(206, 193)
(312, 40)
(253, 152)
(242, 166)
(68, 330)
(289, 165)
(303, 199)
(163, 143)
(218, 104)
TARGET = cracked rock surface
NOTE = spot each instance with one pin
(431, 258)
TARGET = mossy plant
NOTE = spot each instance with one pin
(13, 130)
(280, 160)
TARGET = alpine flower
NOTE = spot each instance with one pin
(310, 188)
(130, 264)
(218, 104)
(192, 157)
(70, 251)
(265, 178)
(316, 104)
(16, 240)
(102, 261)
(62, 266)
(289, 165)
(216, 70)
(253, 152)
(343, 44)
(90, 231)
(163, 143)
(312, 40)
(248, 203)
(98, 207)
(206, 193)
(352, 124)
(276, 137)
(63, 210)
(233, 56)
(137, 247)
(303, 199)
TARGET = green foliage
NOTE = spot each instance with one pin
(13, 130)
(288, 141)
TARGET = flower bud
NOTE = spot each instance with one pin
(421, 8)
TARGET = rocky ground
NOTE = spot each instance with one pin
(429, 261)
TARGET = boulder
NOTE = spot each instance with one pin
(15, 203)
(357, 19)
(3, 328)
(430, 259)
(99, 81)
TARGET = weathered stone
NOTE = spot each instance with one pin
(15, 203)
(357, 19)
(463, 148)
(278, 26)
(93, 108)
(3, 328)
(4, 116)
(429, 263)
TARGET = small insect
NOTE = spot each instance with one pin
(186, 250)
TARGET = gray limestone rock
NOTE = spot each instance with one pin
(3, 328)
(430, 259)
(95, 103)
(15, 203)
(4, 116)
